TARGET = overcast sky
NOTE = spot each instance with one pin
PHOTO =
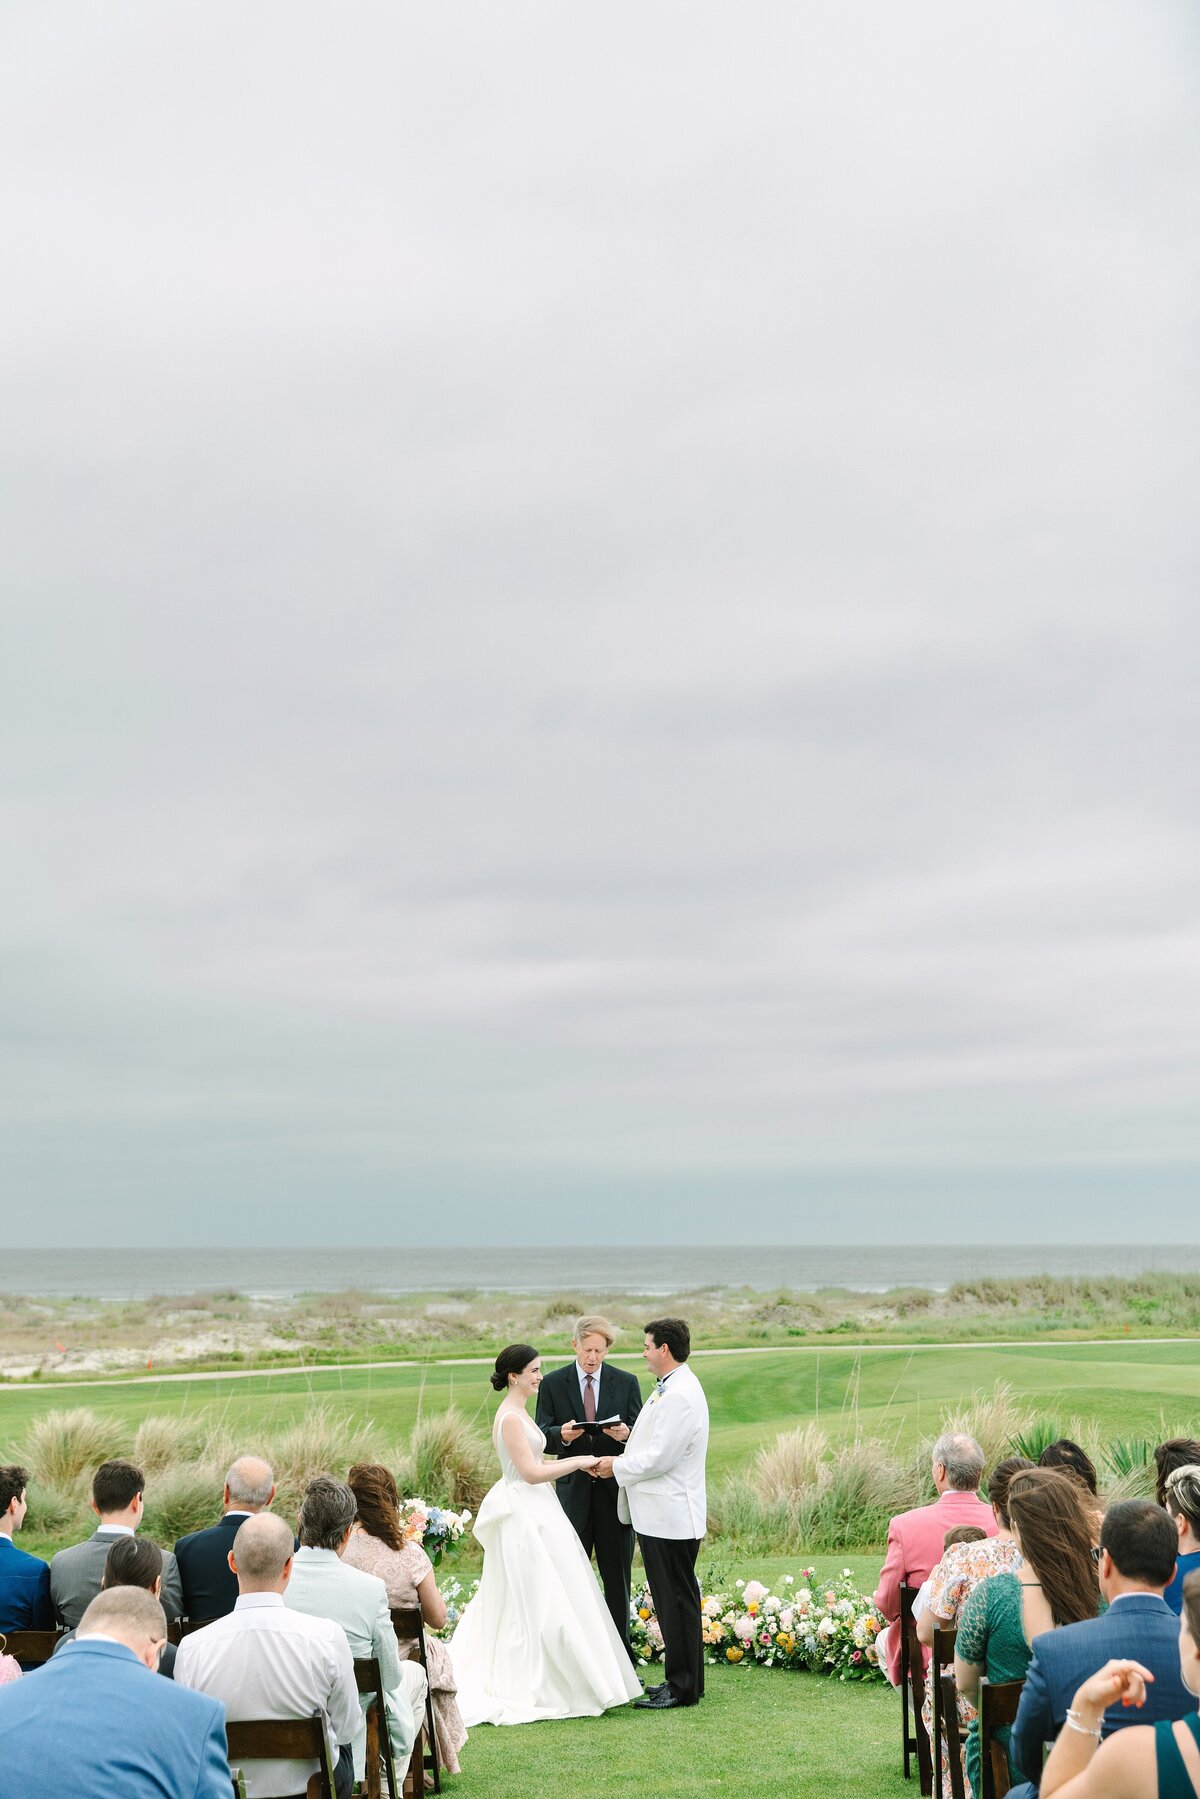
(600, 622)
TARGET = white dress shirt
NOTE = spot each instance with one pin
(264, 1661)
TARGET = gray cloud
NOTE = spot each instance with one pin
(600, 609)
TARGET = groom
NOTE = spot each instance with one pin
(661, 1482)
(587, 1390)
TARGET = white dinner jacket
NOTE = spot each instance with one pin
(661, 1474)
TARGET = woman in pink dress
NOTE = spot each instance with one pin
(377, 1546)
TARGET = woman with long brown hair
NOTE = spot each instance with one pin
(377, 1545)
(1055, 1585)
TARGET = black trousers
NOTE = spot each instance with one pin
(671, 1571)
(611, 1542)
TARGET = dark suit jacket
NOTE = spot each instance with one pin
(1139, 1625)
(560, 1402)
(210, 1586)
(25, 1602)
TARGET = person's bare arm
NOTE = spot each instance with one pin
(966, 1678)
(433, 1606)
(1124, 1767)
(529, 1466)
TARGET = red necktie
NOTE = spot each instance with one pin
(589, 1399)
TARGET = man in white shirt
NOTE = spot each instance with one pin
(325, 1587)
(118, 1492)
(264, 1661)
(661, 1477)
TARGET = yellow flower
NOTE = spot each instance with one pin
(733, 1655)
(642, 1612)
(752, 1611)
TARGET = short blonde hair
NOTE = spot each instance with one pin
(593, 1325)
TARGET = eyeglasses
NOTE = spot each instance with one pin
(1096, 1553)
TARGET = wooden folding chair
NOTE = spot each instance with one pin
(997, 1707)
(283, 1739)
(410, 1628)
(915, 1657)
(31, 1647)
(947, 1704)
(943, 1653)
(188, 1625)
(379, 1739)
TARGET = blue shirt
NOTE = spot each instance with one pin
(1187, 1564)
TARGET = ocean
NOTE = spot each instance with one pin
(579, 1270)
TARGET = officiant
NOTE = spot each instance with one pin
(574, 1405)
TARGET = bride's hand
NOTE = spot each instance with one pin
(587, 1461)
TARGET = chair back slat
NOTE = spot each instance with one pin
(282, 1739)
(998, 1704)
(368, 1678)
(943, 1652)
(948, 1718)
(32, 1646)
(409, 1626)
(913, 1655)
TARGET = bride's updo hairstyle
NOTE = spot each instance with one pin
(511, 1361)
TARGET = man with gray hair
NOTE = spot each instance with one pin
(264, 1661)
(209, 1588)
(325, 1586)
(915, 1538)
(90, 1724)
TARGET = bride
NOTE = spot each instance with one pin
(537, 1640)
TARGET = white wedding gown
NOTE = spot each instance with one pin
(537, 1640)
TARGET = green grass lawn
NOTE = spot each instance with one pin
(777, 1734)
(897, 1393)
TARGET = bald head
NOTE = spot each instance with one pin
(249, 1485)
(261, 1556)
(127, 1615)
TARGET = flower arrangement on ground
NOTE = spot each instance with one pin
(827, 1627)
(434, 1527)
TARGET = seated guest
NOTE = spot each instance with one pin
(915, 1538)
(1176, 1452)
(133, 1562)
(25, 1602)
(264, 1661)
(961, 1533)
(1069, 1459)
(377, 1544)
(75, 1573)
(324, 1586)
(1140, 1761)
(90, 1725)
(1137, 1559)
(1053, 1584)
(209, 1585)
(1183, 1505)
(956, 1576)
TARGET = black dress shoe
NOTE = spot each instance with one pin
(662, 1701)
(660, 1688)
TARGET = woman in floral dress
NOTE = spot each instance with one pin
(377, 1545)
(959, 1572)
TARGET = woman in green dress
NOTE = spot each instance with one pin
(1143, 1761)
(1055, 1585)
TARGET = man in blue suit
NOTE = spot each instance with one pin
(25, 1602)
(1138, 1541)
(96, 1721)
(210, 1587)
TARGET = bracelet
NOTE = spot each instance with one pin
(1074, 1724)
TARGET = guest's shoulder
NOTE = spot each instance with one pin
(196, 1537)
(22, 1560)
(63, 1558)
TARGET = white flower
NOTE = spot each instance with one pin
(789, 1580)
(740, 1583)
(826, 1628)
(754, 1591)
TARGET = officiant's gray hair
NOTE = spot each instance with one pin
(593, 1325)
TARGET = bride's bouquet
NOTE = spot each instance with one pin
(434, 1527)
